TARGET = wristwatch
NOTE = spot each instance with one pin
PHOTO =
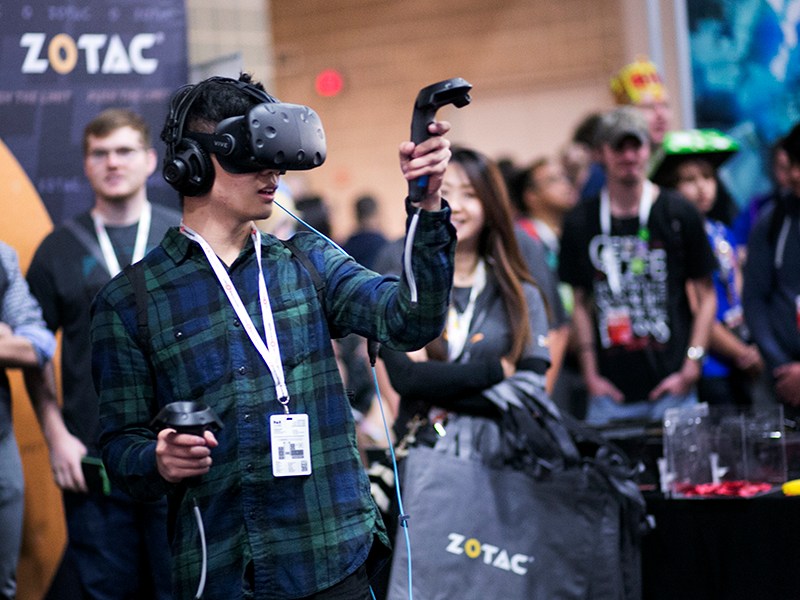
(695, 353)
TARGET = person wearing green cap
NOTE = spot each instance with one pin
(715, 147)
(688, 162)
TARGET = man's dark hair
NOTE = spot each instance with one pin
(784, 203)
(366, 207)
(586, 130)
(314, 211)
(522, 182)
(791, 143)
(514, 177)
(218, 100)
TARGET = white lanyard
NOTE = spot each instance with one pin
(269, 351)
(607, 256)
(458, 324)
(645, 203)
(139, 247)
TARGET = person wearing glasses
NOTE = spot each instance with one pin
(69, 267)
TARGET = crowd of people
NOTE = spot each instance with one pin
(616, 272)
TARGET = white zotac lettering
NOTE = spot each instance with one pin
(493, 556)
(454, 547)
(33, 62)
(101, 53)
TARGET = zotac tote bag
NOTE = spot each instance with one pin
(486, 533)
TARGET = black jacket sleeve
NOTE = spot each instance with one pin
(439, 381)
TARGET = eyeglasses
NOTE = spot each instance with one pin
(124, 154)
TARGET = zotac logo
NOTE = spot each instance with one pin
(493, 556)
(102, 53)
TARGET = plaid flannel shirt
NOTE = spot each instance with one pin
(294, 535)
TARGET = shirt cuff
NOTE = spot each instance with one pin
(42, 339)
(434, 225)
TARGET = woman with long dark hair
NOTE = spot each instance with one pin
(497, 321)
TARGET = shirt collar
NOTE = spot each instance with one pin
(177, 246)
(180, 248)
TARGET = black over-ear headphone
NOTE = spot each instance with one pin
(187, 165)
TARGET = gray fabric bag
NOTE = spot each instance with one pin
(564, 526)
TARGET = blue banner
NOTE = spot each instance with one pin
(746, 75)
(62, 63)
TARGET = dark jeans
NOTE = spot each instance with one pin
(353, 587)
(117, 549)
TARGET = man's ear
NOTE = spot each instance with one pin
(152, 161)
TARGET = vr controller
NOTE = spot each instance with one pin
(430, 99)
(195, 418)
(187, 417)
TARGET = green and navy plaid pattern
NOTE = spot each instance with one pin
(302, 534)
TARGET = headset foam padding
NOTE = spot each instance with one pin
(187, 166)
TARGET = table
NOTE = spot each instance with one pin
(722, 548)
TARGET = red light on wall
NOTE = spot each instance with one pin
(329, 83)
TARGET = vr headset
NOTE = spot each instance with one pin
(285, 137)
(272, 135)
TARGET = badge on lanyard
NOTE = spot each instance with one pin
(618, 326)
(291, 445)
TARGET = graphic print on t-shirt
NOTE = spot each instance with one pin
(631, 300)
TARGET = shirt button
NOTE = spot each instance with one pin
(247, 418)
(237, 323)
(242, 370)
(249, 467)
(178, 335)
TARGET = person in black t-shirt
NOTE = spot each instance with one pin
(117, 548)
(640, 266)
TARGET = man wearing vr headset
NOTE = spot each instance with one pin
(236, 321)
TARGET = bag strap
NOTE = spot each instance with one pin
(135, 274)
(532, 421)
(316, 278)
(319, 282)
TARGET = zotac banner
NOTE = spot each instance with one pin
(61, 63)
